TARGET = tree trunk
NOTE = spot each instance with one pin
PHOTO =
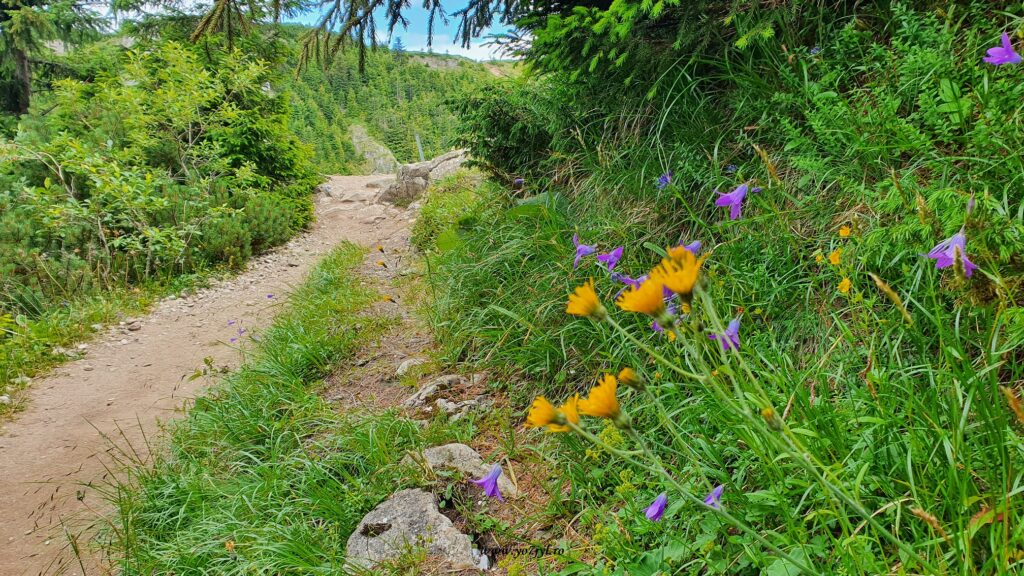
(23, 75)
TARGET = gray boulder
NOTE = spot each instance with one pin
(414, 179)
(408, 520)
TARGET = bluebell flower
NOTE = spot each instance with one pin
(734, 200)
(730, 339)
(947, 252)
(490, 483)
(664, 180)
(582, 250)
(656, 510)
(611, 258)
(714, 498)
(1002, 54)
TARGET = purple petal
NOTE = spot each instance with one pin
(656, 510)
(611, 258)
(736, 211)
(714, 498)
(693, 247)
(490, 483)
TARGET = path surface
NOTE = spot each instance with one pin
(137, 375)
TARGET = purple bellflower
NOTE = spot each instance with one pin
(628, 281)
(656, 510)
(582, 250)
(490, 483)
(731, 337)
(734, 200)
(693, 247)
(1002, 54)
(714, 498)
(947, 251)
(611, 258)
(664, 180)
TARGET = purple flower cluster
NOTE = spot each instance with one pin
(664, 180)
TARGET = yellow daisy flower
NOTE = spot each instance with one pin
(833, 258)
(543, 414)
(680, 271)
(602, 402)
(845, 286)
(570, 411)
(631, 379)
(647, 299)
(844, 232)
(819, 258)
(583, 302)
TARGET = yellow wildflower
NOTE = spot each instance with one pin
(833, 258)
(819, 258)
(679, 272)
(543, 414)
(647, 299)
(602, 402)
(844, 232)
(845, 285)
(631, 379)
(583, 302)
(570, 410)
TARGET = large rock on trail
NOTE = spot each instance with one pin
(379, 160)
(407, 521)
(414, 179)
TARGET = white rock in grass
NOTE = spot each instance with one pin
(432, 389)
(407, 521)
(460, 457)
(407, 365)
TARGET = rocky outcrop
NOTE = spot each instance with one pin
(414, 179)
(407, 521)
(379, 160)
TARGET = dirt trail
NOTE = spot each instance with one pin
(138, 374)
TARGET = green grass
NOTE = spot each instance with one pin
(262, 461)
(906, 427)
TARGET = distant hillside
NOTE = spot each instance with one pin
(399, 96)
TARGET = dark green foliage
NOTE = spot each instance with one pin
(156, 166)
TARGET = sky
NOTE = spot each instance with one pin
(415, 37)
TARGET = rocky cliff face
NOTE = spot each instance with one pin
(379, 160)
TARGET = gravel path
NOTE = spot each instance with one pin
(137, 374)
